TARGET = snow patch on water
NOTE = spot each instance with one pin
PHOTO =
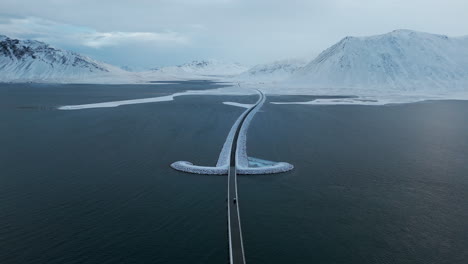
(119, 103)
(238, 104)
(378, 100)
(340, 101)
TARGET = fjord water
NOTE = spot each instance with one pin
(95, 186)
(372, 184)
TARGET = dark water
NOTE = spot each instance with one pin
(385, 184)
(95, 186)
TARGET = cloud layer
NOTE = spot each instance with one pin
(161, 32)
(51, 31)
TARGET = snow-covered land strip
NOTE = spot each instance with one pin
(357, 96)
(220, 91)
(222, 165)
(224, 155)
(241, 154)
(242, 159)
(186, 166)
(238, 104)
(119, 103)
(381, 99)
(345, 101)
(361, 100)
(276, 168)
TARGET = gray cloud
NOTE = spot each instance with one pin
(51, 31)
(248, 31)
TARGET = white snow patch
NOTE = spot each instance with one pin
(238, 104)
(119, 103)
(340, 101)
(383, 99)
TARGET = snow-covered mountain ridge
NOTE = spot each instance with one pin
(396, 61)
(401, 59)
(35, 61)
(30, 60)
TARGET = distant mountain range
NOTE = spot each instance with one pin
(35, 61)
(204, 68)
(401, 59)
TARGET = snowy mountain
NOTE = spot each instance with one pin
(35, 61)
(401, 59)
(30, 60)
(275, 71)
(203, 68)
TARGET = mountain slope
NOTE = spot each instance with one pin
(275, 71)
(401, 59)
(30, 60)
(203, 68)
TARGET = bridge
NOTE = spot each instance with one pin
(233, 160)
(236, 246)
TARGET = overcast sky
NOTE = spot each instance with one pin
(147, 33)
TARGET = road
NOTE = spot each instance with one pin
(236, 247)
